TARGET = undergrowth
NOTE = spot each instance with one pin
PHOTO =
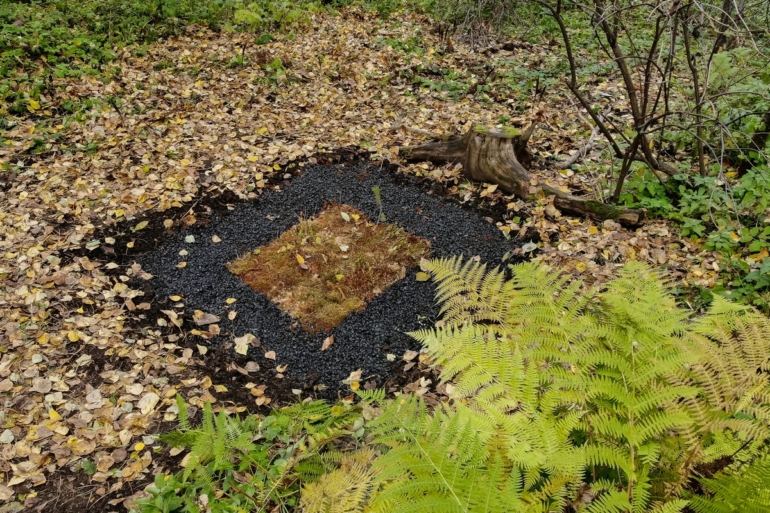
(250, 463)
(730, 218)
(42, 41)
(612, 400)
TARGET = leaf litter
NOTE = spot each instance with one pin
(83, 387)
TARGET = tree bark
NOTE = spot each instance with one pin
(496, 156)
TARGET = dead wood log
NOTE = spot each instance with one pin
(496, 156)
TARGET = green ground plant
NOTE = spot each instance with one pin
(250, 463)
(41, 41)
(615, 400)
(730, 218)
(612, 400)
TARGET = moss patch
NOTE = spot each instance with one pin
(322, 269)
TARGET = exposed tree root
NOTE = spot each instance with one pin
(498, 156)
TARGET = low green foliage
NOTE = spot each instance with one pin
(733, 219)
(42, 41)
(248, 464)
(610, 400)
(607, 401)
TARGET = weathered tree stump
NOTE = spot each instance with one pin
(497, 156)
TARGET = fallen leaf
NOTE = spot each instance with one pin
(270, 355)
(105, 463)
(202, 318)
(141, 226)
(422, 276)
(328, 341)
(7, 437)
(353, 377)
(242, 343)
(147, 403)
(83, 447)
(41, 385)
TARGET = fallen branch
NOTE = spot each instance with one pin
(495, 156)
(582, 152)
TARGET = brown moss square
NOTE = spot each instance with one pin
(322, 269)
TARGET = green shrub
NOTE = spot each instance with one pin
(732, 219)
(614, 400)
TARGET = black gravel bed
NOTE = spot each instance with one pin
(363, 339)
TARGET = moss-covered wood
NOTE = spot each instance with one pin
(499, 156)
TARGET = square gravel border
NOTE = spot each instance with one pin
(364, 338)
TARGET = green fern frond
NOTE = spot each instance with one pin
(439, 465)
(184, 418)
(616, 359)
(346, 489)
(744, 490)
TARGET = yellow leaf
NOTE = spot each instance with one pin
(242, 343)
(355, 385)
(139, 446)
(53, 415)
(175, 298)
(220, 388)
(120, 212)
(276, 167)
(300, 259)
(141, 226)
(43, 338)
(262, 131)
(33, 106)
(580, 266)
(230, 300)
(253, 158)
(339, 276)
(421, 276)
(181, 265)
(355, 217)
(185, 162)
(202, 349)
(593, 230)
(73, 336)
(168, 223)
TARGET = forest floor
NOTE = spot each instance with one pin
(212, 115)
